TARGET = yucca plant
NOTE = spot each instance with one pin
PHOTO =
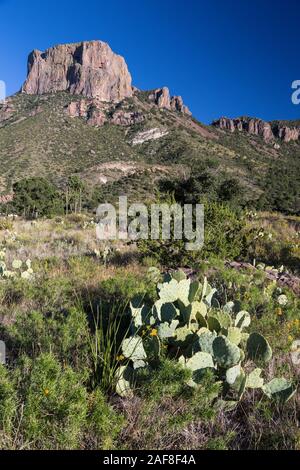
(110, 327)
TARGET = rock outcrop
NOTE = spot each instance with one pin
(151, 134)
(6, 110)
(288, 133)
(251, 125)
(161, 97)
(78, 108)
(96, 117)
(123, 118)
(97, 114)
(259, 127)
(6, 198)
(90, 69)
(88, 110)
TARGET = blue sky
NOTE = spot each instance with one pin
(230, 57)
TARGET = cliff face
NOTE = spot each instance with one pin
(93, 70)
(96, 114)
(259, 127)
(288, 133)
(90, 69)
(161, 97)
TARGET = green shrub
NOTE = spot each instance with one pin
(37, 197)
(66, 335)
(223, 232)
(55, 405)
(8, 408)
(160, 416)
(104, 424)
(6, 224)
(223, 237)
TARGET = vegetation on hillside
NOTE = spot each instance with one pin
(64, 323)
(146, 345)
(41, 140)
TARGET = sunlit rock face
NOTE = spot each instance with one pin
(90, 69)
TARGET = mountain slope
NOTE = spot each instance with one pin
(72, 132)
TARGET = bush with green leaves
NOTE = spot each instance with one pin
(37, 197)
(104, 423)
(45, 404)
(8, 408)
(225, 230)
(188, 324)
(64, 334)
(55, 405)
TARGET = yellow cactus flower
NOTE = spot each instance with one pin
(153, 332)
(46, 392)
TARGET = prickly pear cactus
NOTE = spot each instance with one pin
(254, 379)
(258, 348)
(124, 381)
(226, 353)
(279, 388)
(187, 323)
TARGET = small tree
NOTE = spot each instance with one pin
(74, 194)
(37, 197)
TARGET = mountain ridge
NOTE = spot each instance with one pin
(66, 132)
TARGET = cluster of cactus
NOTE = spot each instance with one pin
(188, 323)
(18, 268)
(105, 254)
(87, 224)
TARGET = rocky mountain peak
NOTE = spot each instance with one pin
(258, 127)
(89, 68)
(162, 98)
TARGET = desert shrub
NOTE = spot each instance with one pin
(55, 405)
(6, 224)
(205, 185)
(37, 197)
(223, 237)
(281, 188)
(160, 414)
(104, 423)
(224, 232)
(64, 334)
(8, 408)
